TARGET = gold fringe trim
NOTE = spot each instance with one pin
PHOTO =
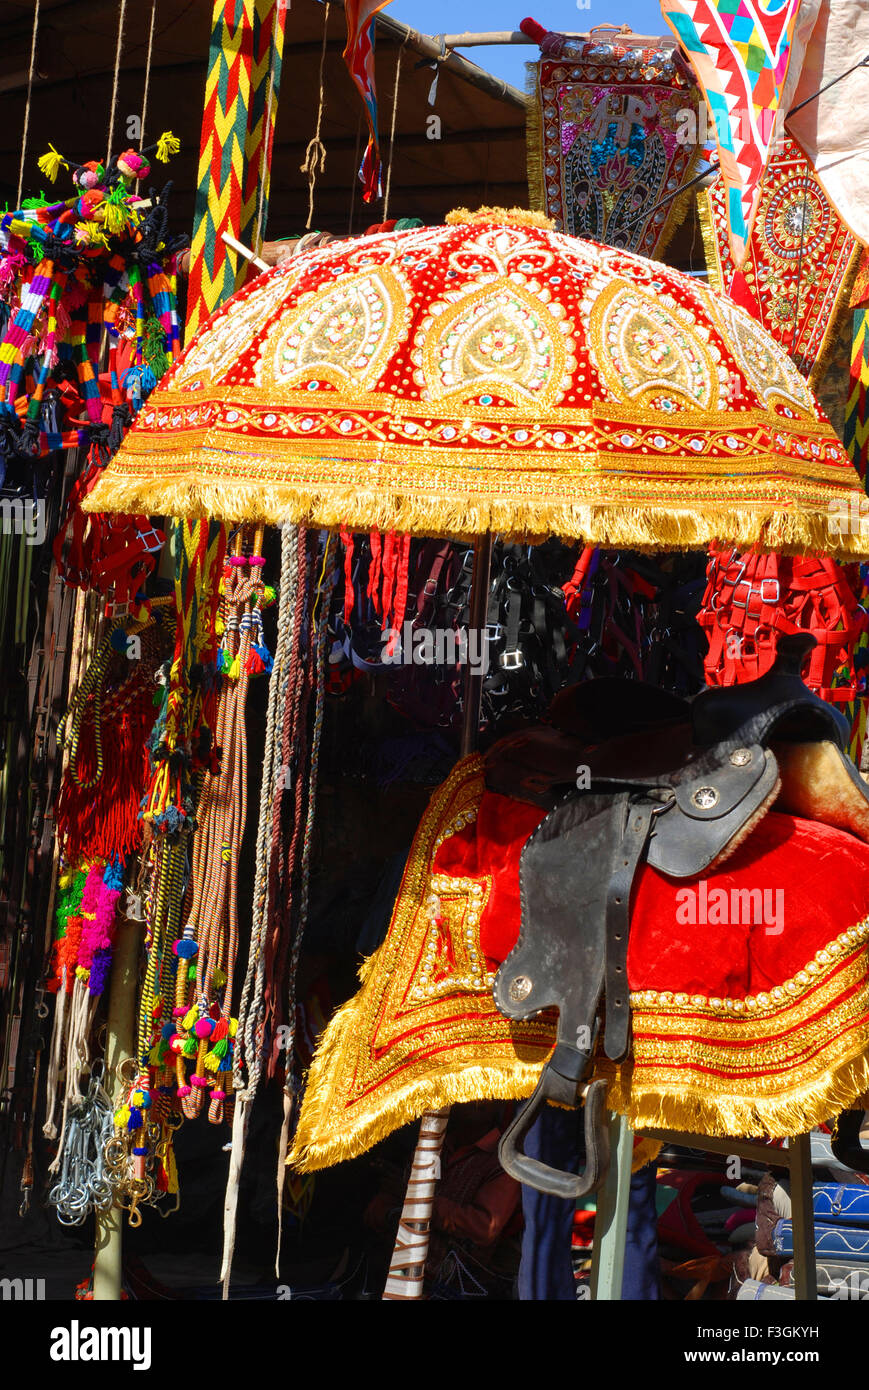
(692, 1111)
(618, 526)
(534, 138)
(385, 1111)
(710, 241)
(645, 1151)
(834, 323)
(513, 217)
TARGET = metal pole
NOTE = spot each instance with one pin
(120, 1044)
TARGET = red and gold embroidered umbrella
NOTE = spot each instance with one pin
(491, 375)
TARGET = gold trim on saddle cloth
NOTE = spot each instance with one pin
(423, 1031)
(776, 1063)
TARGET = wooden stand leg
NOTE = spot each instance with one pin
(611, 1221)
(120, 1044)
(800, 1164)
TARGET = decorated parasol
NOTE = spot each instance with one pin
(491, 375)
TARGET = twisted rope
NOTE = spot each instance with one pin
(315, 154)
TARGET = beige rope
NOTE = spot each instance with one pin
(385, 217)
(147, 74)
(122, 12)
(315, 154)
(27, 107)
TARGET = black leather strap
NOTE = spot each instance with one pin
(630, 851)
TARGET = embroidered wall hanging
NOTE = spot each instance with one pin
(800, 263)
(608, 129)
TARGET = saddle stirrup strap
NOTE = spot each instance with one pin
(631, 849)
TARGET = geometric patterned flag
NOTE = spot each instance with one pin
(359, 57)
(739, 50)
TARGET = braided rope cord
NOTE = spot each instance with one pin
(249, 1038)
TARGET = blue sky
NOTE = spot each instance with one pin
(478, 16)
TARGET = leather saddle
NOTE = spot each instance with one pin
(679, 786)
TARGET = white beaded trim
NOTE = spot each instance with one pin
(477, 978)
(755, 1003)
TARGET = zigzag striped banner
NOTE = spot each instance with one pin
(238, 123)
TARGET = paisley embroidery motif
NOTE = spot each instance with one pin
(645, 353)
(766, 364)
(227, 334)
(343, 337)
(497, 341)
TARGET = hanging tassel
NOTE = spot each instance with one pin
(167, 145)
(347, 542)
(51, 164)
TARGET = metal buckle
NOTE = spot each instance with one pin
(777, 586)
(512, 661)
(725, 577)
(495, 631)
(748, 593)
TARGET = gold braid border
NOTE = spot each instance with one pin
(781, 1068)
(710, 242)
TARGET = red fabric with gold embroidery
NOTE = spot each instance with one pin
(758, 1024)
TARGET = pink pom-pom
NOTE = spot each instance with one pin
(204, 1027)
(179, 1012)
(184, 1091)
(200, 1081)
(176, 1042)
(218, 1094)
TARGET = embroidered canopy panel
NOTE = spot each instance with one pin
(612, 130)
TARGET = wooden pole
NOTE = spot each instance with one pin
(120, 1044)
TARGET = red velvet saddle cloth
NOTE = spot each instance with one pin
(749, 988)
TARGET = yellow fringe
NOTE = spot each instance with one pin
(394, 1106)
(648, 528)
(513, 217)
(731, 1116)
(534, 139)
(391, 1108)
(710, 241)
